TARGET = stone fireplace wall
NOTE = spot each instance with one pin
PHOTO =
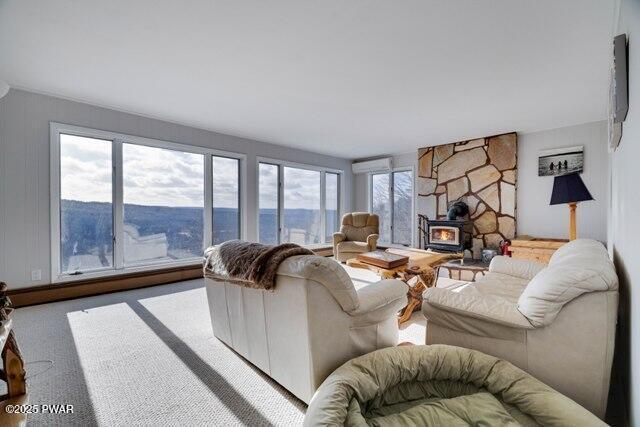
(481, 172)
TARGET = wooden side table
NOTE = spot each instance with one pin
(417, 285)
(384, 273)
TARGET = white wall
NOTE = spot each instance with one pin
(624, 237)
(360, 196)
(534, 215)
(24, 170)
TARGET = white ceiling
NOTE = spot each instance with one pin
(352, 78)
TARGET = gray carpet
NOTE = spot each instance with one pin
(147, 357)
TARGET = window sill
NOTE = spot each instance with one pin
(99, 275)
(101, 285)
(96, 283)
(91, 276)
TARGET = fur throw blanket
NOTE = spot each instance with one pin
(252, 265)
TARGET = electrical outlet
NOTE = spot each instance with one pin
(36, 275)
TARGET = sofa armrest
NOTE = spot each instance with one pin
(372, 241)
(489, 309)
(337, 238)
(324, 271)
(522, 268)
(379, 301)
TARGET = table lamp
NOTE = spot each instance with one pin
(570, 189)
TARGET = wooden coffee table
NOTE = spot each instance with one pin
(419, 274)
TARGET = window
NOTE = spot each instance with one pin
(124, 202)
(226, 199)
(298, 204)
(402, 207)
(332, 196)
(301, 206)
(392, 200)
(268, 204)
(163, 196)
(86, 204)
(381, 203)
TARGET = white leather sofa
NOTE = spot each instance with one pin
(316, 319)
(556, 322)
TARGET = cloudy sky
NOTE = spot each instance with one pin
(268, 183)
(158, 177)
(301, 188)
(85, 169)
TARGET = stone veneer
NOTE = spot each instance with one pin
(481, 172)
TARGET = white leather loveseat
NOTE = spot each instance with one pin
(313, 321)
(556, 322)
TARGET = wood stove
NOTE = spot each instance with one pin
(455, 234)
(448, 235)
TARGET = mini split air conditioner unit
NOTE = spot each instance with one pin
(378, 165)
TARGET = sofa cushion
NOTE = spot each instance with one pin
(357, 247)
(361, 277)
(472, 304)
(521, 268)
(500, 285)
(576, 268)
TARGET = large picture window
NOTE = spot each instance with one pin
(381, 203)
(268, 197)
(402, 207)
(332, 201)
(163, 198)
(122, 202)
(86, 204)
(302, 206)
(297, 204)
(226, 199)
(391, 198)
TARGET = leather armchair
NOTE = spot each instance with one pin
(358, 234)
(556, 321)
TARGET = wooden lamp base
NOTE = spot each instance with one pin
(572, 221)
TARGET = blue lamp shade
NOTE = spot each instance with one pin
(569, 189)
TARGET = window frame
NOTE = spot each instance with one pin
(117, 140)
(281, 164)
(391, 175)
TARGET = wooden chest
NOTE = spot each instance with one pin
(534, 248)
